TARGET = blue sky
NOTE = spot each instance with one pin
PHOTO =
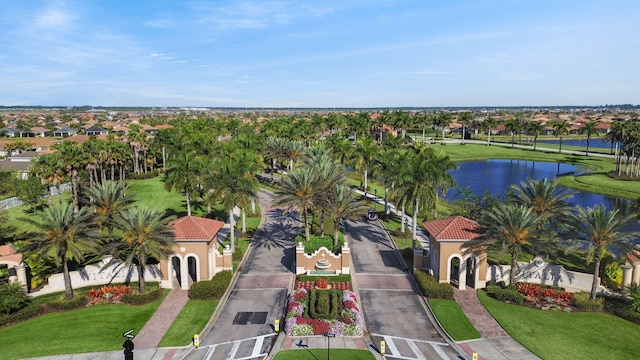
(347, 53)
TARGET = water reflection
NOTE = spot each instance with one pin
(495, 176)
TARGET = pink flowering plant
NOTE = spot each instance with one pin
(348, 321)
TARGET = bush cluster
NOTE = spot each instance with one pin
(323, 304)
(149, 175)
(66, 305)
(211, 289)
(22, 315)
(13, 296)
(581, 301)
(142, 299)
(316, 242)
(431, 287)
(509, 294)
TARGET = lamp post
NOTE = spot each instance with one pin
(375, 199)
(328, 336)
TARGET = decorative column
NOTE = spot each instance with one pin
(636, 274)
(300, 259)
(627, 273)
(345, 258)
(22, 275)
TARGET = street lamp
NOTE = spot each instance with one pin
(375, 199)
(328, 336)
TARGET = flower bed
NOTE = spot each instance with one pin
(345, 318)
(108, 294)
(310, 285)
(545, 298)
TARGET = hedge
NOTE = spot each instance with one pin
(431, 287)
(22, 315)
(150, 296)
(211, 289)
(509, 294)
(78, 301)
(581, 301)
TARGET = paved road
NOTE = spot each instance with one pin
(244, 329)
(393, 311)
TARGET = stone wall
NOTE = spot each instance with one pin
(322, 260)
(539, 272)
(98, 274)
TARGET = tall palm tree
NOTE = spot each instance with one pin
(513, 125)
(298, 190)
(545, 198)
(442, 120)
(109, 199)
(589, 129)
(344, 204)
(184, 175)
(146, 235)
(64, 235)
(441, 165)
(512, 225)
(560, 129)
(535, 128)
(488, 124)
(415, 183)
(599, 229)
(465, 118)
(362, 157)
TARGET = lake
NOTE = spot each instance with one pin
(593, 143)
(495, 176)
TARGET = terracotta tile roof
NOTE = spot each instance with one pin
(164, 126)
(8, 253)
(195, 228)
(452, 228)
(633, 257)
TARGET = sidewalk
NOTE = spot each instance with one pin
(153, 331)
(495, 342)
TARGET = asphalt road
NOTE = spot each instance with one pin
(389, 299)
(244, 329)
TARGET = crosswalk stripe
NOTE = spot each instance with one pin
(257, 347)
(415, 350)
(392, 347)
(440, 352)
(234, 350)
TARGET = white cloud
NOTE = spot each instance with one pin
(53, 19)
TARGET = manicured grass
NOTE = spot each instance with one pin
(315, 354)
(596, 182)
(560, 335)
(453, 319)
(191, 320)
(91, 329)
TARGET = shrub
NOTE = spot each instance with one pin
(431, 287)
(110, 293)
(211, 289)
(12, 297)
(509, 294)
(24, 314)
(66, 305)
(316, 242)
(142, 299)
(144, 176)
(581, 301)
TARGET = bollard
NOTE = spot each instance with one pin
(276, 326)
(196, 341)
(382, 347)
(475, 356)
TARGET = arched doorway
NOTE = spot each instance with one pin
(192, 263)
(177, 273)
(471, 272)
(454, 271)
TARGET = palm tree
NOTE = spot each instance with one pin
(545, 198)
(488, 124)
(512, 225)
(362, 157)
(415, 183)
(535, 128)
(184, 175)
(560, 129)
(465, 119)
(599, 229)
(146, 235)
(297, 190)
(590, 128)
(64, 235)
(442, 120)
(441, 165)
(344, 205)
(513, 125)
(109, 199)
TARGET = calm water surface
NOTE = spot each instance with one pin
(495, 176)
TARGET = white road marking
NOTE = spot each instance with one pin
(394, 353)
(255, 352)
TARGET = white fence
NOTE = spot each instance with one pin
(14, 201)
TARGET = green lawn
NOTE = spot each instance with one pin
(91, 329)
(453, 319)
(192, 319)
(315, 354)
(560, 335)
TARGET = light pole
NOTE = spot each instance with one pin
(328, 336)
(375, 199)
